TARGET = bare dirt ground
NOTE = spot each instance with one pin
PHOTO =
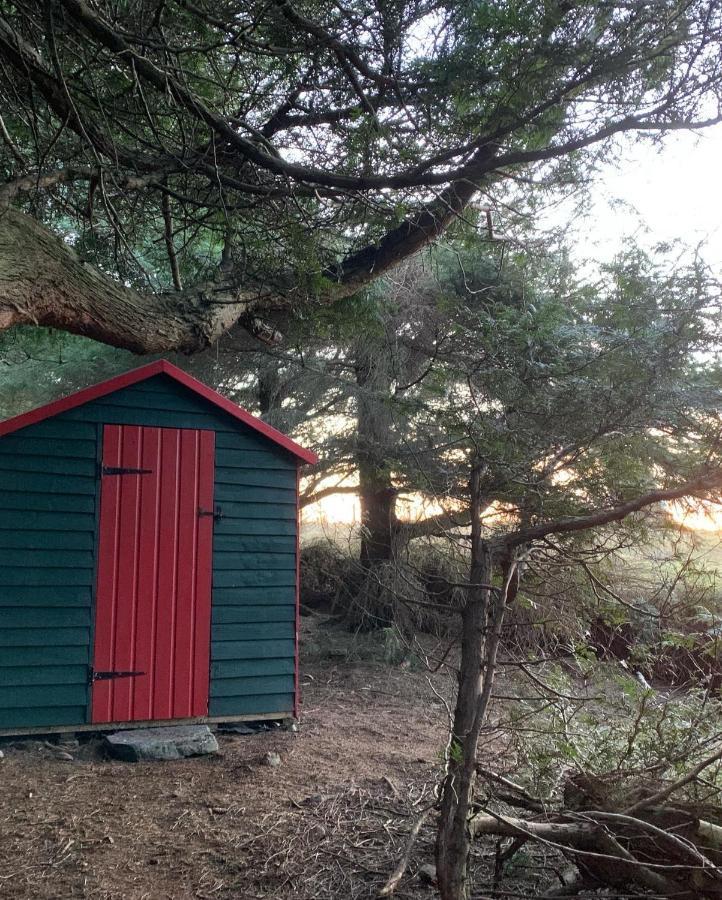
(330, 822)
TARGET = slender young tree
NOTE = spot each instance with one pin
(491, 588)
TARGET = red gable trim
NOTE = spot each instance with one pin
(142, 373)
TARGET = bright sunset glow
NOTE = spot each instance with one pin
(697, 516)
(339, 509)
(345, 509)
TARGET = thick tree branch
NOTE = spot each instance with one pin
(11, 189)
(189, 111)
(43, 282)
(595, 518)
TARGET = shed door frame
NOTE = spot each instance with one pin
(154, 539)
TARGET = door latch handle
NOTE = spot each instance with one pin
(216, 513)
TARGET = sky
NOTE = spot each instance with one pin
(668, 193)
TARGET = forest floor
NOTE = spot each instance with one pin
(329, 823)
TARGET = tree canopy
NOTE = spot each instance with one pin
(571, 392)
(220, 162)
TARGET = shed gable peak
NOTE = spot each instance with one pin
(143, 373)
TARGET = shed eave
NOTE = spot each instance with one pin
(142, 373)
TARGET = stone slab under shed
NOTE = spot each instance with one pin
(171, 742)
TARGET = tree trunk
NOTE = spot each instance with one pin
(375, 428)
(270, 396)
(44, 282)
(378, 517)
(453, 840)
(481, 623)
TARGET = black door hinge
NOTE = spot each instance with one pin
(217, 513)
(121, 470)
(109, 676)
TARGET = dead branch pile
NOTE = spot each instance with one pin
(344, 844)
(621, 830)
(384, 596)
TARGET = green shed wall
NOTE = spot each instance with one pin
(49, 493)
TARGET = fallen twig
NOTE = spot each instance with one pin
(398, 873)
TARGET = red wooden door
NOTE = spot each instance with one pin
(153, 599)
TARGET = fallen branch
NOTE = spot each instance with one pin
(522, 797)
(398, 873)
(653, 799)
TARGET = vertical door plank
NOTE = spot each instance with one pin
(185, 593)
(148, 536)
(162, 663)
(204, 574)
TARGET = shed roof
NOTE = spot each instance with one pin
(160, 367)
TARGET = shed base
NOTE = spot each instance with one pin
(116, 726)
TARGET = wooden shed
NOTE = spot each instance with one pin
(148, 559)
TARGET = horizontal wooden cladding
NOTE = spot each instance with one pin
(245, 668)
(48, 479)
(43, 483)
(252, 649)
(43, 617)
(58, 595)
(45, 696)
(230, 455)
(265, 562)
(254, 543)
(20, 447)
(57, 558)
(227, 440)
(37, 576)
(157, 385)
(111, 411)
(20, 638)
(52, 655)
(116, 413)
(241, 614)
(279, 479)
(254, 563)
(277, 496)
(22, 502)
(252, 631)
(24, 519)
(43, 717)
(255, 527)
(235, 596)
(265, 703)
(22, 676)
(253, 686)
(47, 467)
(46, 540)
(243, 578)
(242, 509)
(162, 394)
(57, 428)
